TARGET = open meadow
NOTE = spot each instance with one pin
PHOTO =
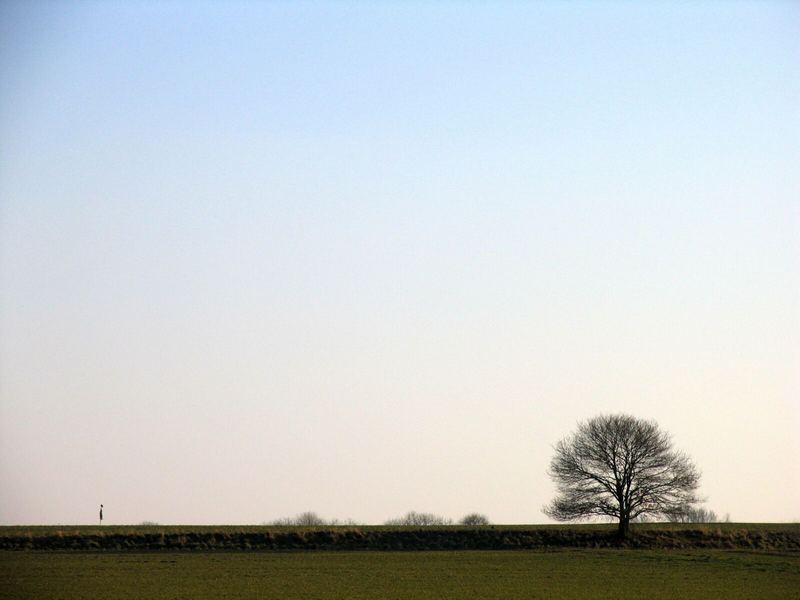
(565, 574)
(726, 560)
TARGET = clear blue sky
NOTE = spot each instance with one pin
(362, 258)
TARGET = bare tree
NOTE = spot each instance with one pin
(690, 514)
(474, 519)
(620, 467)
(306, 519)
(309, 519)
(419, 519)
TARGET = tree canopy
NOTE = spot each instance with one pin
(620, 467)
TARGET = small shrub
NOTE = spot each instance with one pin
(474, 519)
(694, 514)
(415, 519)
(309, 519)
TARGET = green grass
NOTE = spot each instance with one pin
(322, 575)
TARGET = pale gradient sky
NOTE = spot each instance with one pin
(362, 258)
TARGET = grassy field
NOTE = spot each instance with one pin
(323, 575)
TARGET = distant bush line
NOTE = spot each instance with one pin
(310, 519)
(407, 538)
(411, 519)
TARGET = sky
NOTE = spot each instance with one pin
(362, 258)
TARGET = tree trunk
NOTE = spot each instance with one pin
(624, 527)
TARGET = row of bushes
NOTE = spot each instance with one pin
(694, 514)
(410, 538)
(411, 518)
(423, 519)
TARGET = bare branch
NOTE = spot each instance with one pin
(621, 467)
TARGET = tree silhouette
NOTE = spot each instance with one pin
(620, 467)
(416, 519)
(474, 519)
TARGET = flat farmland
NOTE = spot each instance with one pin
(570, 573)
(726, 560)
